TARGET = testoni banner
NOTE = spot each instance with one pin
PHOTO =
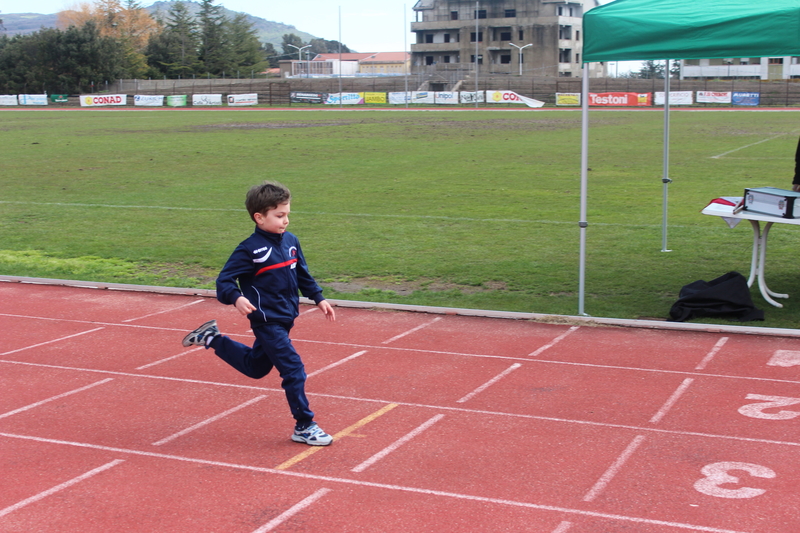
(298, 97)
(568, 98)
(444, 97)
(374, 98)
(422, 97)
(32, 99)
(8, 99)
(242, 99)
(675, 98)
(148, 100)
(400, 98)
(510, 97)
(96, 100)
(620, 99)
(206, 99)
(345, 99)
(745, 98)
(711, 97)
(471, 97)
(177, 100)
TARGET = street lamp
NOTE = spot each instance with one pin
(520, 48)
(300, 53)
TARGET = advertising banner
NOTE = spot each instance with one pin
(443, 97)
(8, 99)
(177, 100)
(148, 100)
(422, 97)
(59, 98)
(400, 98)
(471, 97)
(568, 98)
(32, 99)
(746, 98)
(92, 100)
(242, 99)
(375, 98)
(675, 98)
(710, 97)
(510, 97)
(206, 99)
(620, 99)
(345, 99)
(298, 97)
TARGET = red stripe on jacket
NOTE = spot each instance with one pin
(278, 265)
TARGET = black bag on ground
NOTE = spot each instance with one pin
(728, 296)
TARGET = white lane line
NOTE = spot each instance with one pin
(64, 395)
(309, 311)
(51, 342)
(563, 527)
(613, 470)
(707, 359)
(671, 401)
(386, 486)
(170, 358)
(553, 342)
(284, 516)
(413, 330)
(170, 310)
(57, 488)
(207, 421)
(337, 363)
(748, 146)
(489, 383)
(395, 445)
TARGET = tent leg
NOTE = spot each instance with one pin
(584, 180)
(665, 178)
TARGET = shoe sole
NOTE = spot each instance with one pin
(311, 443)
(186, 342)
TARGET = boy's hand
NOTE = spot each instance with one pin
(326, 308)
(244, 306)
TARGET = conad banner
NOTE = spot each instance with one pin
(746, 98)
(620, 99)
(206, 99)
(510, 97)
(399, 98)
(471, 97)
(93, 100)
(32, 99)
(568, 98)
(374, 98)
(177, 100)
(8, 99)
(675, 98)
(242, 99)
(710, 97)
(443, 97)
(148, 100)
(345, 99)
(422, 97)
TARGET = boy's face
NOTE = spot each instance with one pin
(275, 221)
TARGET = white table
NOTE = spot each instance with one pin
(759, 242)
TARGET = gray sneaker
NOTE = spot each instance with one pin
(201, 335)
(312, 435)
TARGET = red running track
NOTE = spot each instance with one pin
(442, 423)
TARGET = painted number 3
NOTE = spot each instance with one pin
(718, 474)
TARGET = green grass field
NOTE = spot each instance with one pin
(447, 208)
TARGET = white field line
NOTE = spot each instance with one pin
(385, 486)
(52, 398)
(412, 330)
(671, 401)
(208, 421)
(748, 146)
(284, 516)
(613, 470)
(164, 311)
(51, 342)
(553, 342)
(707, 359)
(563, 527)
(57, 488)
(170, 358)
(395, 445)
(337, 363)
(489, 383)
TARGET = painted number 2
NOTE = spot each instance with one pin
(718, 474)
(756, 410)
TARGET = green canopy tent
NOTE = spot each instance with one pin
(636, 30)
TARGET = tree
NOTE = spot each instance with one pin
(173, 52)
(214, 49)
(652, 70)
(291, 40)
(245, 47)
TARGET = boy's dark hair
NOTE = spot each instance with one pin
(265, 196)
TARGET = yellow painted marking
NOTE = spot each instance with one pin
(343, 433)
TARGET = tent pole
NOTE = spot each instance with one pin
(584, 179)
(665, 178)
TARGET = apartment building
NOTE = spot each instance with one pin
(756, 68)
(528, 37)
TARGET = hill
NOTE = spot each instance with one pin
(267, 31)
